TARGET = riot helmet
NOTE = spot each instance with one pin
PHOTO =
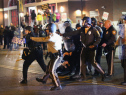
(87, 20)
(67, 23)
(93, 21)
(51, 27)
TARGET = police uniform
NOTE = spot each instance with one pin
(35, 54)
(109, 37)
(99, 49)
(92, 37)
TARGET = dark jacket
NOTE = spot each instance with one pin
(31, 44)
(109, 36)
(91, 38)
(33, 15)
(26, 18)
(1, 31)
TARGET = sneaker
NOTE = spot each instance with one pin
(23, 82)
(75, 76)
(81, 79)
(40, 80)
(123, 83)
(96, 74)
(56, 88)
(103, 77)
(108, 75)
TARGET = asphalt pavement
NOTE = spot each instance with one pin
(11, 73)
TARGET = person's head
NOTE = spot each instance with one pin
(40, 23)
(33, 11)
(6, 28)
(100, 24)
(107, 24)
(86, 22)
(50, 28)
(35, 23)
(26, 13)
(78, 26)
(1, 26)
(125, 20)
(11, 24)
(27, 29)
(93, 21)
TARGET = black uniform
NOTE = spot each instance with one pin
(35, 54)
(1, 35)
(99, 49)
(109, 37)
(92, 37)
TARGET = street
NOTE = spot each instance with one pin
(11, 73)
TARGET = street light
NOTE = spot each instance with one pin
(6, 16)
(62, 9)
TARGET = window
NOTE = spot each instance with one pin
(29, 1)
(13, 3)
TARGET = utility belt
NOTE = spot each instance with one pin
(107, 49)
(36, 48)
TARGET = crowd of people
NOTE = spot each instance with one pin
(80, 43)
(6, 35)
(72, 53)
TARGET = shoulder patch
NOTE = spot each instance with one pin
(113, 32)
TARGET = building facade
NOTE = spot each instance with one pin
(73, 8)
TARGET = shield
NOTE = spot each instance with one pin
(69, 45)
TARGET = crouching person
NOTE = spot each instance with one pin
(53, 46)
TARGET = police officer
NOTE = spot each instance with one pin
(53, 47)
(108, 40)
(90, 38)
(76, 53)
(35, 54)
(99, 48)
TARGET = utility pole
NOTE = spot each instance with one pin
(81, 7)
(18, 13)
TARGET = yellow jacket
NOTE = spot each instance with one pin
(39, 17)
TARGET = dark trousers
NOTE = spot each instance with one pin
(98, 57)
(1, 39)
(76, 62)
(123, 63)
(35, 54)
(88, 55)
(109, 58)
(6, 42)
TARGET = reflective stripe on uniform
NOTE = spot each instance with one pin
(54, 71)
(111, 64)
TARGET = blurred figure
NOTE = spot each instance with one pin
(6, 37)
(1, 36)
(33, 16)
(99, 48)
(76, 53)
(35, 29)
(11, 35)
(27, 19)
(90, 38)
